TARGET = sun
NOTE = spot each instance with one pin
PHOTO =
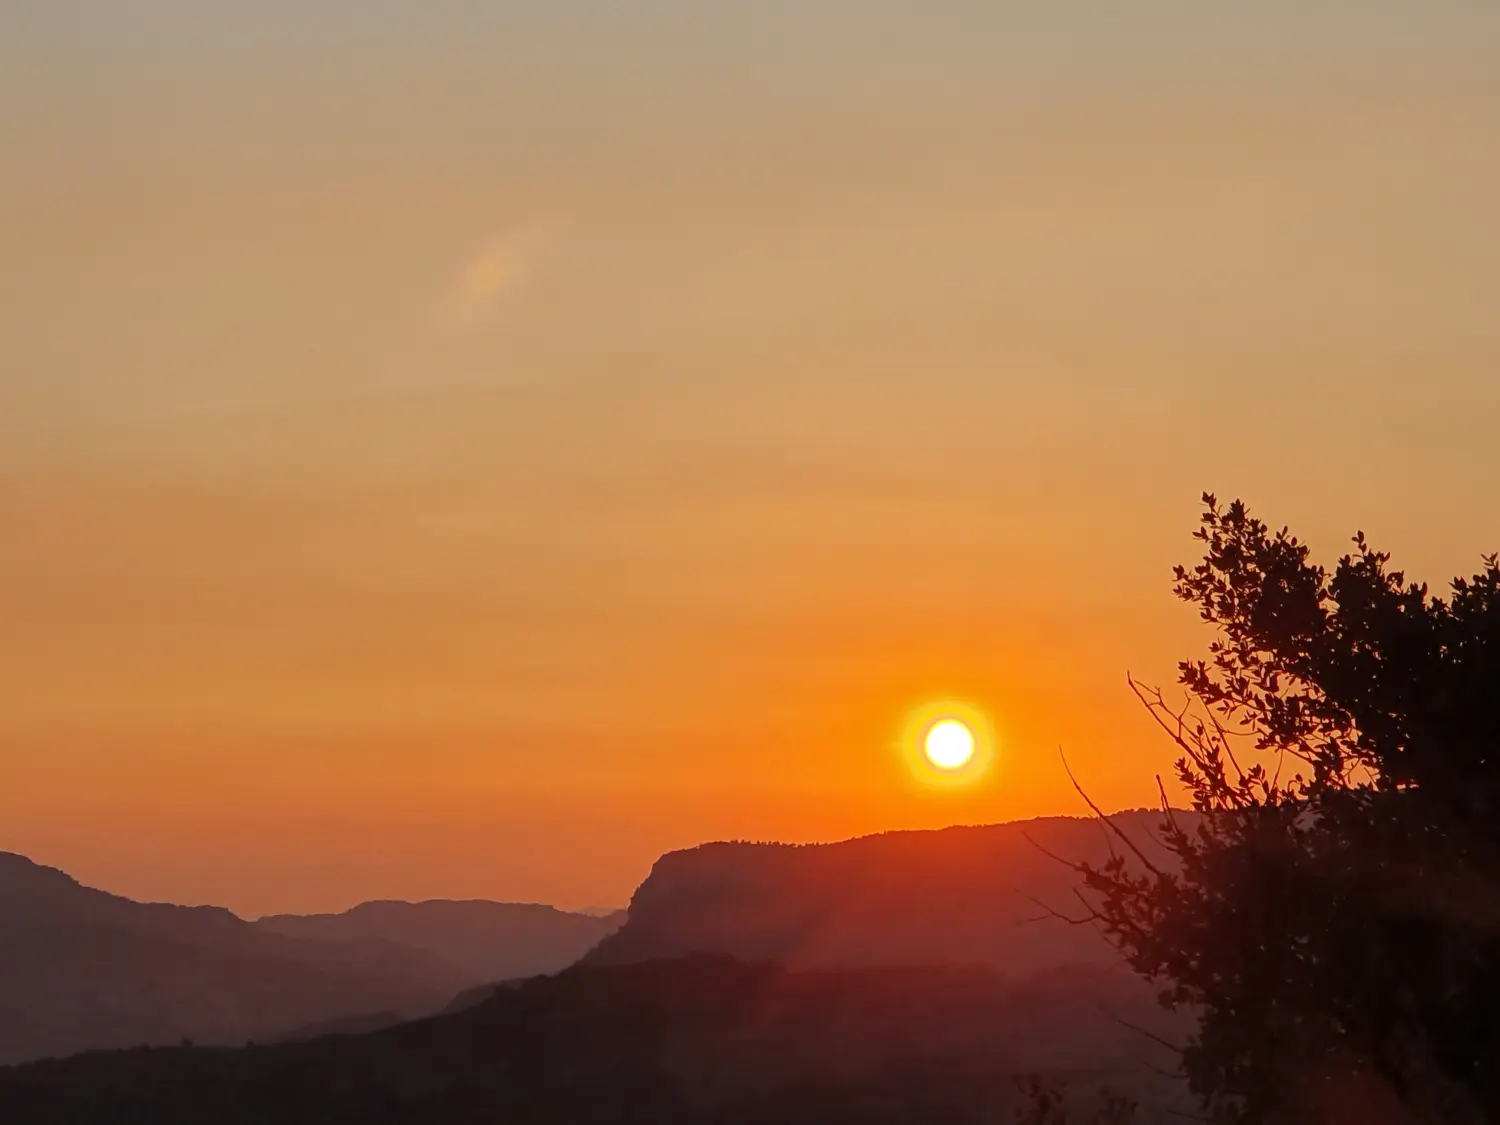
(949, 744)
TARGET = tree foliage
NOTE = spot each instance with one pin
(1335, 917)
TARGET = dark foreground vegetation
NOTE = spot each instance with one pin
(1334, 914)
(695, 1040)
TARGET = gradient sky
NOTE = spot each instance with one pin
(461, 449)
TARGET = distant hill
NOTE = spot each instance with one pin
(959, 896)
(488, 941)
(699, 1040)
(81, 968)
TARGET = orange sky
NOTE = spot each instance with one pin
(451, 454)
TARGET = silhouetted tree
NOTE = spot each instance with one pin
(1044, 1103)
(1336, 916)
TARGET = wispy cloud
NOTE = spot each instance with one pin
(494, 273)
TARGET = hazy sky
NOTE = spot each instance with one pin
(452, 449)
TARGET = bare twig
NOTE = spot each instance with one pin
(1078, 868)
(1115, 828)
(1173, 1047)
(1052, 913)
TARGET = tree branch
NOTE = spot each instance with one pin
(1115, 828)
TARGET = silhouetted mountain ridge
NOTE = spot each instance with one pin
(30, 892)
(81, 968)
(968, 895)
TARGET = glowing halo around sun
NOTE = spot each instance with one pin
(947, 743)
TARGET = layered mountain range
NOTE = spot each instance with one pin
(81, 968)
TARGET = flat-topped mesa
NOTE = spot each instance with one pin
(974, 895)
(491, 941)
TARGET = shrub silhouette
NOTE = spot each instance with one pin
(1335, 918)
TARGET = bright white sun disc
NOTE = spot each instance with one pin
(949, 744)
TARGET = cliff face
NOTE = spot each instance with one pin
(960, 896)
